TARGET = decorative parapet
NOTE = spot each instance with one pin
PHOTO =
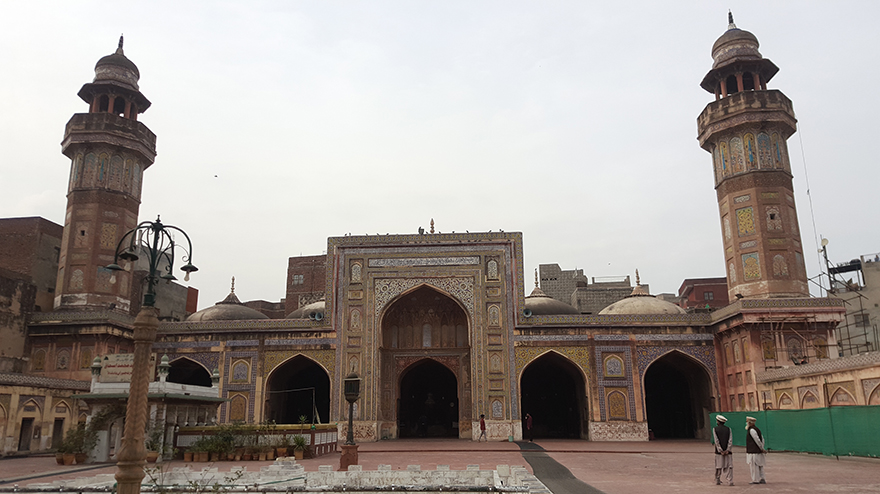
(251, 325)
(616, 320)
(13, 379)
(827, 366)
(79, 317)
(764, 304)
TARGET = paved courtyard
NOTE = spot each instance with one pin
(609, 467)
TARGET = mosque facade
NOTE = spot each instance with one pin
(438, 326)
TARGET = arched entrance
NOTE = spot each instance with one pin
(677, 397)
(296, 388)
(425, 355)
(428, 401)
(185, 371)
(554, 394)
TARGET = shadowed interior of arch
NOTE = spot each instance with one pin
(298, 387)
(553, 393)
(428, 401)
(185, 371)
(677, 398)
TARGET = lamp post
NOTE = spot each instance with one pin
(352, 390)
(155, 240)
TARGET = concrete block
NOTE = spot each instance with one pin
(325, 468)
(413, 468)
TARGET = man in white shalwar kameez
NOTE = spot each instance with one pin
(723, 439)
(756, 455)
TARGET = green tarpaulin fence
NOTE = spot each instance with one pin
(840, 431)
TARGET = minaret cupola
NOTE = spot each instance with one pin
(115, 87)
(738, 65)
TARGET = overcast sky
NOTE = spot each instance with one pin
(280, 124)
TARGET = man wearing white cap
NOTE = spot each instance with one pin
(723, 450)
(756, 455)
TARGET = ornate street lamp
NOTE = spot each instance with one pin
(155, 240)
(351, 386)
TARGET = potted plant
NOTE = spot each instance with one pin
(65, 451)
(200, 448)
(155, 442)
(78, 442)
(282, 445)
(299, 446)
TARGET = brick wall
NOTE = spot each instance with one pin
(306, 279)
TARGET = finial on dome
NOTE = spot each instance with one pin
(638, 283)
(119, 48)
(432, 225)
(730, 24)
(232, 289)
(536, 277)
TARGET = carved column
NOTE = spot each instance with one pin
(133, 453)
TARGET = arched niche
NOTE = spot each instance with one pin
(424, 318)
(678, 391)
(296, 388)
(553, 392)
(186, 371)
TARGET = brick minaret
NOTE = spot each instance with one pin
(746, 129)
(109, 151)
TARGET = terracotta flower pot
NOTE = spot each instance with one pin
(281, 452)
(81, 458)
(203, 456)
(298, 454)
(187, 456)
(69, 458)
(246, 457)
(59, 458)
(152, 456)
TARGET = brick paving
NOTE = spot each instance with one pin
(611, 467)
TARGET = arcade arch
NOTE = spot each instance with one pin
(186, 371)
(678, 393)
(553, 392)
(428, 401)
(425, 366)
(298, 387)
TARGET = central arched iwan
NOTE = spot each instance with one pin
(425, 328)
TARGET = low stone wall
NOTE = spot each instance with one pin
(618, 431)
(285, 475)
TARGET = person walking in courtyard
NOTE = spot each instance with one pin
(529, 427)
(756, 455)
(483, 428)
(723, 451)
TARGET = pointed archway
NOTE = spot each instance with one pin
(677, 397)
(299, 387)
(428, 401)
(186, 371)
(425, 348)
(554, 394)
